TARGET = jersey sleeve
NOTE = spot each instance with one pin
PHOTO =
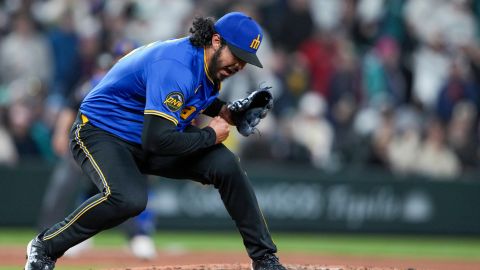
(169, 84)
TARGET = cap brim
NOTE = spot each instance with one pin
(250, 58)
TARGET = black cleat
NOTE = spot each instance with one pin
(37, 259)
(268, 262)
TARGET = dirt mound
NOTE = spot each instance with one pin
(121, 259)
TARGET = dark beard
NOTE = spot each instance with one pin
(213, 65)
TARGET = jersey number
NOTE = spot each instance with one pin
(187, 111)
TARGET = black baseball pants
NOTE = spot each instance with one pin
(118, 168)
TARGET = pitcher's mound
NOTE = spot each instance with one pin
(247, 267)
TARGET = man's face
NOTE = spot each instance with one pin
(224, 64)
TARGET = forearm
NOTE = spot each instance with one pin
(219, 108)
(214, 108)
(160, 137)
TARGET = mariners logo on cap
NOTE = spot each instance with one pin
(255, 43)
(174, 101)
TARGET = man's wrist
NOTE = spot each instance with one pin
(226, 114)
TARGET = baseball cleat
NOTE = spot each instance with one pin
(267, 262)
(37, 259)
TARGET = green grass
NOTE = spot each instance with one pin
(396, 246)
(461, 248)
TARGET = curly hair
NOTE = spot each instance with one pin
(202, 31)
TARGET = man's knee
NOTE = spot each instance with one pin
(225, 169)
(130, 204)
(225, 164)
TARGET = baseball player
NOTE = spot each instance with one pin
(137, 121)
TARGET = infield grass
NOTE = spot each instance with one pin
(438, 247)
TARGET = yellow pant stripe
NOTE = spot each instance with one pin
(92, 204)
(266, 225)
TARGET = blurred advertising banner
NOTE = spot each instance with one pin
(336, 203)
(292, 198)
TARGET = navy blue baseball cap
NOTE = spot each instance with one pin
(242, 34)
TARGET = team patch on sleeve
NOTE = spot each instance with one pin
(174, 101)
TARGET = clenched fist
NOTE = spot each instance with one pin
(221, 128)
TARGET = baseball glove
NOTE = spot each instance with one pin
(246, 113)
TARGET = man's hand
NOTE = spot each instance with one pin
(225, 114)
(221, 128)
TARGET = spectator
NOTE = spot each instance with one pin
(459, 87)
(344, 101)
(24, 119)
(430, 70)
(8, 155)
(294, 24)
(383, 77)
(403, 141)
(461, 134)
(434, 158)
(319, 51)
(24, 53)
(311, 129)
(65, 43)
(294, 78)
(367, 27)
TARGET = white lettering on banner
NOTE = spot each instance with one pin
(197, 201)
(281, 201)
(347, 204)
(291, 201)
(379, 205)
(418, 207)
(355, 207)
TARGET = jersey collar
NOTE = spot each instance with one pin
(205, 67)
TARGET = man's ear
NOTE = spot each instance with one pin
(216, 41)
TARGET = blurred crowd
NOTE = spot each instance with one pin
(390, 84)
